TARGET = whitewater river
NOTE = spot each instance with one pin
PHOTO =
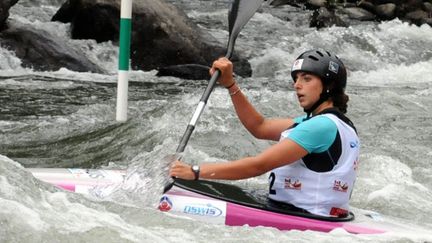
(67, 119)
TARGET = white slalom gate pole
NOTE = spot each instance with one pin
(124, 55)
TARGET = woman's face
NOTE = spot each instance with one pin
(308, 88)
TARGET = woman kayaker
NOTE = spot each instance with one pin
(313, 166)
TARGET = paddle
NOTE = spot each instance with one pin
(240, 13)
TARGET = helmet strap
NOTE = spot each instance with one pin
(324, 96)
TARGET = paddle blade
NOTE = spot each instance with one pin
(240, 13)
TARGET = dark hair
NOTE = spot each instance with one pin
(340, 99)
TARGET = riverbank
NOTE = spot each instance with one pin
(344, 13)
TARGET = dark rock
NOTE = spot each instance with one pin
(43, 51)
(379, 2)
(412, 5)
(162, 35)
(364, 10)
(349, 5)
(186, 71)
(407, 6)
(369, 6)
(315, 4)
(90, 21)
(427, 6)
(428, 21)
(67, 11)
(5, 5)
(359, 14)
(417, 17)
(324, 18)
(294, 3)
(386, 11)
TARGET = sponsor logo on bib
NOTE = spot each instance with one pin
(291, 184)
(340, 186)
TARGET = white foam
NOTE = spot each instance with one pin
(398, 29)
(22, 215)
(273, 61)
(394, 74)
(9, 61)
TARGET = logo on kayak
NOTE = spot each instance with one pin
(165, 204)
(202, 210)
(291, 184)
(340, 186)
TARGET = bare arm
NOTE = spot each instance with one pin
(282, 153)
(251, 119)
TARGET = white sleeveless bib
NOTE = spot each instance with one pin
(321, 193)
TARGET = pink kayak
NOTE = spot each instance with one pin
(218, 203)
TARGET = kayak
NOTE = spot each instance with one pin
(217, 202)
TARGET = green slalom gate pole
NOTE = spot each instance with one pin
(124, 55)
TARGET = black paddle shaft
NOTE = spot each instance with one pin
(191, 126)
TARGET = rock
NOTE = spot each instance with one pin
(43, 51)
(359, 14)
(294, 3)
(428, 21)
(379, 2)
(386, 11)
(186, 71)
(407, 6)
(316, 4)
(427, 6)
(98, 21)
(162, 35)
(348, 5)
(412, 5)
(369, 6)
(417, 17)
(324, 18)
(5, 5)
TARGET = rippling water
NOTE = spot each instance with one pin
(67, 119)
